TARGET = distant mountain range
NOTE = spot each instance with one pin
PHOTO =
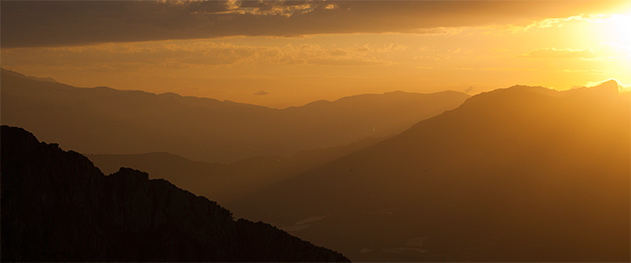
(517, 174)
(56, 206)
(225, 183)
(102, 120)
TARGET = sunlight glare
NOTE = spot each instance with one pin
(615, 29)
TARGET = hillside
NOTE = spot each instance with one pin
(225, 183)
(56, 206)
(107, 121)
(518, 174)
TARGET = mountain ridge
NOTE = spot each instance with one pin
(56, 206)
(225, 182)
(482, 182)
(206, 129)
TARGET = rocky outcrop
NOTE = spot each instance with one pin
(56, 206)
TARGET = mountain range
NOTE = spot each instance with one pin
(102, 120)
(56, 206)
(225, 183)
(516, 174)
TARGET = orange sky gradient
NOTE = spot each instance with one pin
(289, 53)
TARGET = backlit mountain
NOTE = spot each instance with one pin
(518, 174)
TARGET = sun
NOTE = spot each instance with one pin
(614, 29)
(619, 26)
(610, 41)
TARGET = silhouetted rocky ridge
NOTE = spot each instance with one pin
(56, 206)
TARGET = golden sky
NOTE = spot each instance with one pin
(287, 53)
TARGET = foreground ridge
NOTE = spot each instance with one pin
(56, 206)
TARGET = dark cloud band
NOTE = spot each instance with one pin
(68, 23)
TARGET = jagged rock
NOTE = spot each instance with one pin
(56, 206)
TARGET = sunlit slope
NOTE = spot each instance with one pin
(522, 174)
(105, 120)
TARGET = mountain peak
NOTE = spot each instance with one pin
(610, 82)
(611, 85)
(606, 89)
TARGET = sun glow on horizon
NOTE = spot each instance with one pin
(611, 53)
(556, 49)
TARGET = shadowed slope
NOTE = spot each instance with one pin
(520, 174)
(225, 183)
(108, 121)
(56, 206)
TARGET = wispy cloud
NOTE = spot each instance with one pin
(604, 51)
(561, 53)
(180, 54)
(261, 93)
(554, 22)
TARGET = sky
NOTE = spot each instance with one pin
(288, 53)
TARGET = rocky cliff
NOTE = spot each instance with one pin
(56, 206)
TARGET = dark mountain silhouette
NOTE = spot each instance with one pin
(225, 183)
(108, 121)
(518, 174)
(56, 206)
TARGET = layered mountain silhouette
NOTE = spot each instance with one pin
(225, 183)
(56, 206)
(517, 174)
(108, 121)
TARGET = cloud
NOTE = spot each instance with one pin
(469, 90)
(196, 53)
(605, 51)
(73, 23)
(265, 8)
(561, 53)
(555, 22)
(564, 21)
(261, 93)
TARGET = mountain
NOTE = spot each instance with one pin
(56, 206)
(225, 183)
(517, 174)
(108, 121)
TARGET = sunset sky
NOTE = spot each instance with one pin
(288, 53)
